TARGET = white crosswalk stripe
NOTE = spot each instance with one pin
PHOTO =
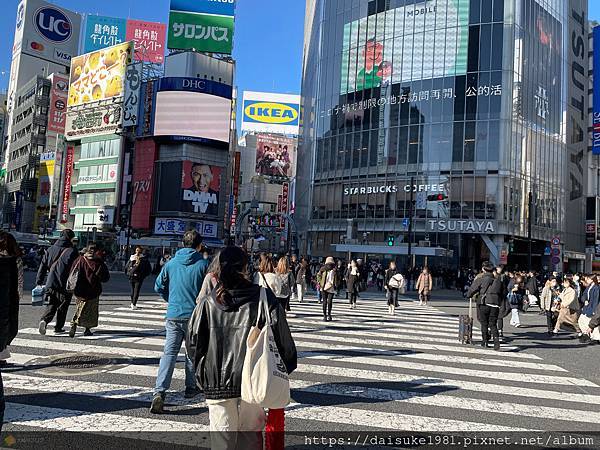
(364, 370)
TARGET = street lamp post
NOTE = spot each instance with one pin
(529, 224)
(410, 228)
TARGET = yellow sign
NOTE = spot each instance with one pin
(45, 175)
(267, 112)
(99, 75)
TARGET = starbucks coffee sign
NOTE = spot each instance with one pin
(462, 226)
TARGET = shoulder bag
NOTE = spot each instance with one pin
(265, 381)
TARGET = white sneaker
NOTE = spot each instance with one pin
(133, 307)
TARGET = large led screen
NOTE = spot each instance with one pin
(192, 114)
(380, 49)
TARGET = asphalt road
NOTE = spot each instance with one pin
(363, 372)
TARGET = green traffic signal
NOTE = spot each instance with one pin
(390, 241)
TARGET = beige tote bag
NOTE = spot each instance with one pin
(265, 381)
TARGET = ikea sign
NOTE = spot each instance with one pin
(271, 113)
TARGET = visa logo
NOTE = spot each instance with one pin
(62, 55)
(273, 113)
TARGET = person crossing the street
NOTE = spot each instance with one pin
(568, 312)
(328, 282)
(424, 286)
(179, 283)
(54, 271)
(137, 269)
(91, 273)
(352, 283)
(394, 282)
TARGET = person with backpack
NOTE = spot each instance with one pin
(286, 280)
(179, 284)
(328, 282)
(394, 282)
(137, 269)
(488, 290)
(217, 344)
(85, 282)
(54, 269)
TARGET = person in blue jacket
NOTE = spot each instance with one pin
(179, 283)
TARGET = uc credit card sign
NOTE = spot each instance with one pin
(218, 7)
(271, 113)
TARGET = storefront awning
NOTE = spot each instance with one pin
(385, 250)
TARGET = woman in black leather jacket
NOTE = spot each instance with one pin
(217, 343)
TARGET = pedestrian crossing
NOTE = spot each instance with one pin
(365, 370)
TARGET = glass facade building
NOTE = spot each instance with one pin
(452, 114)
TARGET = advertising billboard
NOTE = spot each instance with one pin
(542, 62)
(201, 186)
(199, 25)
(596, 96)
(57, 112)
(149, 39)
(143, 184)
(102, 32)
(265, 112)
(372, 52)
(131, 101)
(46, 31)
(44, 189)
(65, 212)
(96, 121)
(194, 109)
(178, 227)
(276, 156)
(99, 75)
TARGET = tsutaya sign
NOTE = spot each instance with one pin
(462, 226)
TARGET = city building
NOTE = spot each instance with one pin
(181, 165)
(46, 38)
(453, 132)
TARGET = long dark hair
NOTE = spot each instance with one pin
(8, 243)
(230, 272)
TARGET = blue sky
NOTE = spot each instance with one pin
(268, 39)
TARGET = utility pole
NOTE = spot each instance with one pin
(529, 223)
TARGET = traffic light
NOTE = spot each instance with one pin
(390, 241)
(437, 198)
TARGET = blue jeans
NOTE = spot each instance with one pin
(176, 334)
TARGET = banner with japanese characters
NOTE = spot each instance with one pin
(131, 101)
(57, 111)
(178, 227)
(198, 26)
(149, 39)
(102, 32)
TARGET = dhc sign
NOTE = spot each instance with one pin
(53, 24)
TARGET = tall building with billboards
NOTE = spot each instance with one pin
(455, 125)
(46, 38)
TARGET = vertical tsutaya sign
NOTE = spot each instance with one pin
(131, 101)
(102, 32)
(149, 39)
(64, 217)
(57, 113)
(202, 25)
(577, 122)
(596, 106)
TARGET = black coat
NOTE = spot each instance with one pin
(352, 283)
(64, 254)
(138, 272)
(9, 300)
(489, 289)
(93, 272)
(217, 337)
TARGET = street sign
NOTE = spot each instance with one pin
(556, 241)
(547, 251)
(555, 260)
(555, 252)
(405, 223)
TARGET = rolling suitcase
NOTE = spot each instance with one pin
(465, 326)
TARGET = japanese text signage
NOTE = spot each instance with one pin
(203, 26)
(94, 122)
(64, 217)
(57, 114)
(149, 39)
(102, 32)
(596, 105)
(178, 227)
(131, 101)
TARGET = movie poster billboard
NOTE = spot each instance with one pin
(99, 75)
(201, 186)
(275, 156)
(149, 39)
(57, 113)
(373, 55)
(542, 73)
